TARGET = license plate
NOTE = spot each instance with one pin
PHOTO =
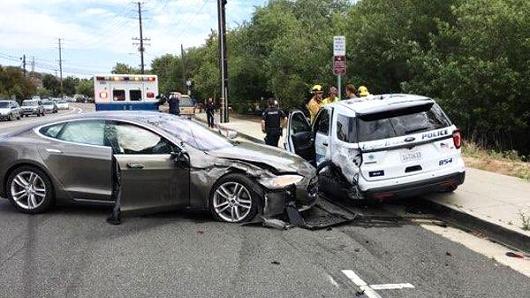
(411, 156)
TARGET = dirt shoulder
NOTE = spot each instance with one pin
(507, 163)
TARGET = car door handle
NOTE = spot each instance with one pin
(325, 144)
(135, 166)
(54, 150)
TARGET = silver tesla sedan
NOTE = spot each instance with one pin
(162, 162)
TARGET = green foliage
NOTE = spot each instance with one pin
(473, 56)
(69, 85)
(13, 83)
(52, 84)
(122, 68)
(85, 87)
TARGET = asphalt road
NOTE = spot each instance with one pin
(72, 251)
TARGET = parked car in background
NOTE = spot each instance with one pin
(9, 110)
(62, 104)
(49, 106)
(32, 107)
(187, 106)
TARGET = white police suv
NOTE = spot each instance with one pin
(381, 146)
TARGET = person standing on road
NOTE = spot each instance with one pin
(272, 123)
(210, 111)
(315, 103)
(350, 91)
(332, 96)
(174, 104)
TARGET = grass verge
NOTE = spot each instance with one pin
(507, 163)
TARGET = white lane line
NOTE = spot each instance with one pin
(392, 286)
(369, 290)
(354, 277)
(332, 281)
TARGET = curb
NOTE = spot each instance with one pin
(469, 221)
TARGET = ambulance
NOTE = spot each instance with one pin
(125, 92)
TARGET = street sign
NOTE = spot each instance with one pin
(339, 65)
(339, 46)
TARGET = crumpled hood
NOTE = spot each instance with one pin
(281, 160)
(4, 111)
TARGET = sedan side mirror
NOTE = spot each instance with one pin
(181, 158)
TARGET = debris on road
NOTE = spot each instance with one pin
(518, 255)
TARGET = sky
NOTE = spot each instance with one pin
(96, 34)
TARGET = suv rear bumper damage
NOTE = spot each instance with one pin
(417, 188)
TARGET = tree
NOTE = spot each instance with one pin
(13, 83)
(85, 87)
(52, 84)
(69, 85)
(122, 68)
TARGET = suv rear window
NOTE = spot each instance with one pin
(400, 123)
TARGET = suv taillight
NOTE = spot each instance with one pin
(457, 138)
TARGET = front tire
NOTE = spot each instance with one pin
(233, 199)
(30, 190)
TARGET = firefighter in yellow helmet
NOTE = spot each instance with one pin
(315, 103)
(363, 91)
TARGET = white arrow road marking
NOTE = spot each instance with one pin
(369, 290)
(392, 286)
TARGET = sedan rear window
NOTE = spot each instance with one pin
(84, 132)
(400, 123)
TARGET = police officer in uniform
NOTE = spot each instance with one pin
(272, 122)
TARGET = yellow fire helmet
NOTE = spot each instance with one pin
(363, 91)
(316, 88)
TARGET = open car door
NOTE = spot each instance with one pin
(152, 183)
(151, 177)
(300, 136)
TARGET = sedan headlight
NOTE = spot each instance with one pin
(280, 181)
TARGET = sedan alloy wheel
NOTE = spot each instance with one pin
(232, 202)
(28, 190)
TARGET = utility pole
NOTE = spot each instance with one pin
(223, 65)
(183, 67)
(61, 67)
(33, 64)
(141, 40)
(24, 63)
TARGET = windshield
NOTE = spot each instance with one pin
(191, 133)
(29, 103)
(47, 102)
(403, 123)
(186, 102)
(4, 104)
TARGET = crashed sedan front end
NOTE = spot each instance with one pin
(274, 179)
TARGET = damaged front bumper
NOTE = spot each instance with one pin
(305, 196)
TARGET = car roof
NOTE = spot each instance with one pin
(378, 103)
(135, 116)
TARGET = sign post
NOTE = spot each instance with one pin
(339, 60)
